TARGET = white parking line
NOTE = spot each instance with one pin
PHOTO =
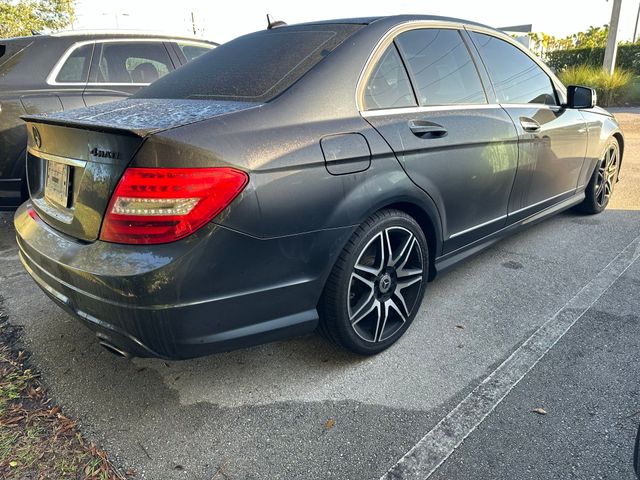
(436, 446)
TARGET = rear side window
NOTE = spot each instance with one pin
(76, 67)
(191, 52)
(515, 76)
(131, 62)
(255, 67)
(389, 86)
(442, 68)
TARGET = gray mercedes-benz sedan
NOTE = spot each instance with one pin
(302, 177)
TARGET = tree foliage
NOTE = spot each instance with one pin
(593, 37)
(628, 58)
(23, 17)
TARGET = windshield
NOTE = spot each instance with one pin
(255, 67)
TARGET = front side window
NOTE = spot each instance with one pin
(191, 51)
(389, 86)
(515, 76)
(76, 67)
(132, 62)
(443, 71)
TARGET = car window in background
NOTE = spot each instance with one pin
(76, 67)
(442, 67)
(255, 67)
(191, 52)
(516, 78)
(389, 86)
(132, 62)
(12, 48)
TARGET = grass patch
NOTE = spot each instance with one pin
(37, 441)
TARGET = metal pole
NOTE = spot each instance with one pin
(635, 30)
(611, 51)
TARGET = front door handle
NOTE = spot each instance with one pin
(529, 124)
(428, 129)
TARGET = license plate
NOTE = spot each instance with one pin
(56, 187)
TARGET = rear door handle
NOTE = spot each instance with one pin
(425, 128)
(529, 124)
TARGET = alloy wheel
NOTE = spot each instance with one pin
(607, 171)
(385, 284)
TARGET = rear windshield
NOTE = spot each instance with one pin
(255, 67)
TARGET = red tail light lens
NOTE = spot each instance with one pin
(161, 205)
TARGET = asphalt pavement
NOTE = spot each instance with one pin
(306, 410)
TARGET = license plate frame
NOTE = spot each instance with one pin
(56, 187)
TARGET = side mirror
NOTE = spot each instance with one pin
(581, 97)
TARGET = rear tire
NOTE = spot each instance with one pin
(376, 286)
(605, 175)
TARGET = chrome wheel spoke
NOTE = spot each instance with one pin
(365, 274)
(390, 305)
(405, 252)
(409, 281)
(398, 294)
(363, 312)
(360, 278)
(383, 313)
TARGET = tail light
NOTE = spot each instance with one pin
(161, 205)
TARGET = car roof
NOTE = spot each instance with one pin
(396, 19)
(100, 34)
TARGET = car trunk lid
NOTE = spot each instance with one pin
(76, 158)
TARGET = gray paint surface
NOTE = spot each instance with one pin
(145, 115)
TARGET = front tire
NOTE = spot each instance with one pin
(600, 187)
(376, 286)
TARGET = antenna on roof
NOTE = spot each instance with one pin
(271, 23)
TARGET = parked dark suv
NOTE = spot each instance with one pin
(49, 73)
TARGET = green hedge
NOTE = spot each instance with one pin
(628, 58)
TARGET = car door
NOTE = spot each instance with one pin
(453, 143)
(553, 139)
(122, 67)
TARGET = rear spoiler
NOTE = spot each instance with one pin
(140, 116)
(42, 119)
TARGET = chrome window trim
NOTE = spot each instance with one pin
(72, 162)
(426, 109)
(51, 78)
(393, 32)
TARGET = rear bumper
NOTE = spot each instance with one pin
(216, 290)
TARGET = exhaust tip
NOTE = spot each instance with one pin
(115, 350)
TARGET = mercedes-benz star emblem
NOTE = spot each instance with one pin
(385, 283)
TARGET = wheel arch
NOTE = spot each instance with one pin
(428, 226)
